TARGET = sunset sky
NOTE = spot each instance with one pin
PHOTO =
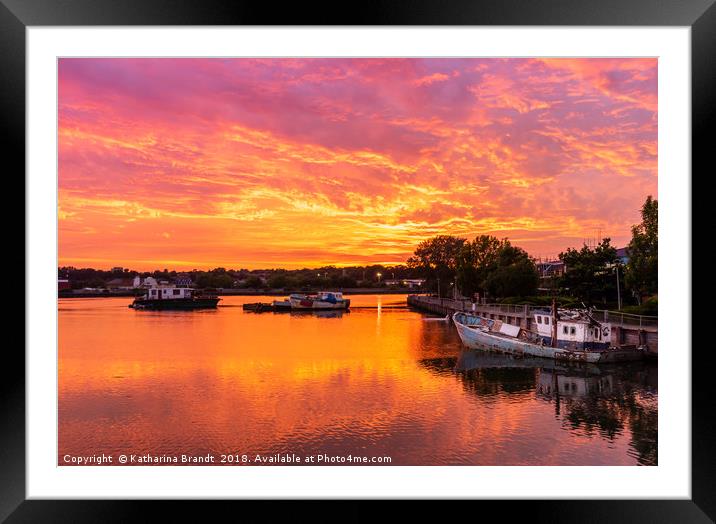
(261, 163)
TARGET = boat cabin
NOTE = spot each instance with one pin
(168, 292)
(329, 296)
(575, 330)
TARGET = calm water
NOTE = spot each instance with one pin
(374, 382)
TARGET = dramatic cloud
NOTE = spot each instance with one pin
(304, 162)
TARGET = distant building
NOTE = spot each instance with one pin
(622, 258)
(117, 269)
(121, 283)
(150, 282)
(183, 280)
(552, 269)
(623, 255)
(63, 283)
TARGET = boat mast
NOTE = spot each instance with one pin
(554, 322)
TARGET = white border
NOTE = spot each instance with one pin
(671, 478)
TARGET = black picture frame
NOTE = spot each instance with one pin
(16, 15)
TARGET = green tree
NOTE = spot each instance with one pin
(212, 279)
(588, 275)
(203, 280)
(97, 282)
(253, 282)
(515, 275)
(641, 275)
(278, 281)
(476, 260)
(222, 281)
(340, 281)
(436, 259)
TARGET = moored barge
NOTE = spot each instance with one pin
(169, 296)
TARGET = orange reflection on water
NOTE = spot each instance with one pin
(368, 382)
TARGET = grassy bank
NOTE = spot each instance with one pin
(649, 307)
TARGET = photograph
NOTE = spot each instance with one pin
(357, 261)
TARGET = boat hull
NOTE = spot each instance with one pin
(176, 304)
(307, 304)
(282, 305)
(476, 338)
(263, 307)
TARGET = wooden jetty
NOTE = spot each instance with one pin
(626, 330)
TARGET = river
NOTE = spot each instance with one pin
(380, 383)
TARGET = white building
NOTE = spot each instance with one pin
(147, 282)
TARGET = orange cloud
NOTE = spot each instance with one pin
(304, 162)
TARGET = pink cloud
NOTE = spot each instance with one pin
(240, 159)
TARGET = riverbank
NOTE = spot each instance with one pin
(241, 292)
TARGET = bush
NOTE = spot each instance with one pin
(543, 301)
(649, 307)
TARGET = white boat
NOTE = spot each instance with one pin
(320, 301)
(169, 296)
(578, 337)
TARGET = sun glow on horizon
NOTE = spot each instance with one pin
(261, 163)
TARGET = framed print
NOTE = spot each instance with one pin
(408, 255)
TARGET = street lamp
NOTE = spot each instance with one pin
(378, 275)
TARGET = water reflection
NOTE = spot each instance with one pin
(318, 314)
(338, 313)
(378, 381)
(588, 399)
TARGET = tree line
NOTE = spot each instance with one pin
(368, 276)
(494, 268)
(486, 265)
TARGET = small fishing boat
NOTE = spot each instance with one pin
(168, 296)
(577, 337)
(320, 301)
